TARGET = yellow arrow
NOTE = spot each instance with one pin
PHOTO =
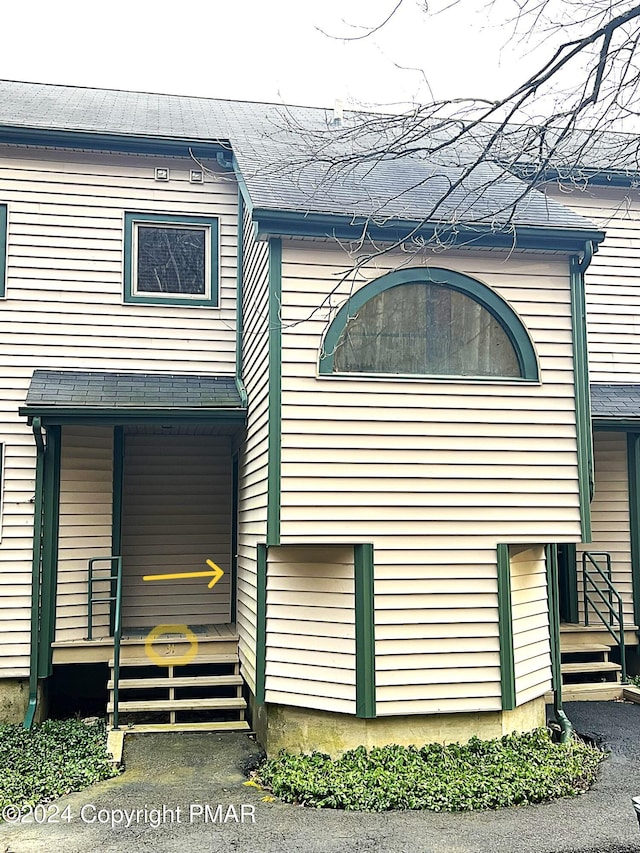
(215, 573)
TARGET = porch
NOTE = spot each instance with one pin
(132, 502)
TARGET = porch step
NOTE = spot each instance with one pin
(584, 648)
(186, 681)
(229, 726)
(226, 703)
(591, 666)
(203, 694)
(597, 692)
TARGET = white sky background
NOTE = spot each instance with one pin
(272, 51)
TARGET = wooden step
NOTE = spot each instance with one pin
(601, 691)
(226, 726)
(181, 681)
(200, 659)
(591, 666)
(583, 648)
(224, 704)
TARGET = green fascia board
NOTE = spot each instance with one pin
(127, 143)
(243, 189)
(479, 292)
(633, 467)
(52, 415)
(615, 424)
(365, 631)
(505, 625)
(289, 223)
(3, 249)
(131, 218)
(274, 443)
(261, 622)
(584, 435)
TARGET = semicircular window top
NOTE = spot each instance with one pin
(428, 322)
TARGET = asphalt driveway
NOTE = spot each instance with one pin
(186, 794)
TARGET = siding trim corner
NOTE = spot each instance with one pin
(584, 437)
(261, 622)
(365, 631)
(633, 465)
(275, 393)
(505, 625)
(3, 248)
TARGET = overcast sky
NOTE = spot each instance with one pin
(273, 51)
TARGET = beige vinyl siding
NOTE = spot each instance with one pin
(64, 309)
(252, 486)
(176, 514)
(610, 521)
(86, 489)
(311, 628)
(612, 280)
(530, 611)
(434, 473)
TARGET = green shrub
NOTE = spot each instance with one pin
(516, 769)
(53, 759)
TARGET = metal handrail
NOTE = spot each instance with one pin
(611, 617)
(116, 598)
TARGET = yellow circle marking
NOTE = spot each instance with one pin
(164, 660)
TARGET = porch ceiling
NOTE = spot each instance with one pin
(74, 396)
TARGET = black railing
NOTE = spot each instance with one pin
(115, 599)
(603, 591)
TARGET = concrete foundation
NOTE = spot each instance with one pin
(305, 730)
(14, 696)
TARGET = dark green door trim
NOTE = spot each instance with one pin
(505, 626)
(116, 508)
(36, 574)
(568, 583)
(50, 529)
(365, 631)
(261, 622)
(274, 459)
(633, 467)
(234, 534)
(551, 555)
(577, 268)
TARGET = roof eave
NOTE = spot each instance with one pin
(57, 415)
(290, 223)
(127, 143)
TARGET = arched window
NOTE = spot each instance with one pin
(431, 322)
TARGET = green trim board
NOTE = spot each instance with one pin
(211, 282)
(505, 624)
(471, 287)
(116, 511)
(104, 416)
(239, 288)
(261, 622)
(551, 560)
(274, 457)
(616, 424)
(3, 249)
(50, 530)
(365, 631)
(584, 436)
(235, 506)
(633, 467)
(36, 574)
(300, 223)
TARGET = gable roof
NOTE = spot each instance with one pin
(286, 159)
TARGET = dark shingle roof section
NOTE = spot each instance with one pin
(615, 401)
(51, 389)
(287, 156)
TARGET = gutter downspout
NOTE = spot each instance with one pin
(36, 573)
(566, 729)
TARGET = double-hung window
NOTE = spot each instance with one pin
(171, 260)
